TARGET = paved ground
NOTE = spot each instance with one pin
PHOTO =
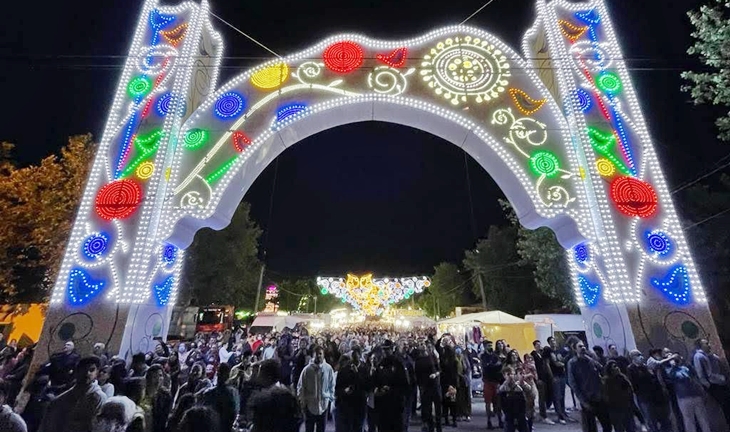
(479, 423)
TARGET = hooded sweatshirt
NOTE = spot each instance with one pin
(10, 421)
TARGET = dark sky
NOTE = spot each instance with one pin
(399, 195)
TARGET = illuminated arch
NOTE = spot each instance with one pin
(562, 134)
(459, 83)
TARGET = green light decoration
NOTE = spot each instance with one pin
(146, 146)
(139, 87)
(603, 143)
(545, 163)
(323, 291)
(221, 171)
(195, 138)
(609, 82)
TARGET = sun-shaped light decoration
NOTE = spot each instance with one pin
(460, 69)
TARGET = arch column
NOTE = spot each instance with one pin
(636, 282)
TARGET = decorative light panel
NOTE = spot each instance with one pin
(372, 296)
(637, 209)
(593, 163)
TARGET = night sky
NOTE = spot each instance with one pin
(400, 196)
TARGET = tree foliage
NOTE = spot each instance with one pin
(222, 266)
(508, 281)
(38, 204)
(445, 292)
(540, 250)
(705, 213)
(712, 46)
(298, 295)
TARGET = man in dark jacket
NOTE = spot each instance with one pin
(223, 399)
(427, 377)
(544, 381)
(351, 389)
(391, 385)
(653, 403)
(585, 380)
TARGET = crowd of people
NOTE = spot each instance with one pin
(357, 378)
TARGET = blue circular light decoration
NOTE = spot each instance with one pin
(229, 105)
(658, 242)
(163, 104)
(584, 100)
(581, 253)
(96, 245)
(169, 254)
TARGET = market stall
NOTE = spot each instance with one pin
(492, 325)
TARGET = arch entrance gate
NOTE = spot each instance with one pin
(558, 127)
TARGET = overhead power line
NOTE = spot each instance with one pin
(477, 11)
(703, 221)
(244, 34)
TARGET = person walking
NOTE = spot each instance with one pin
(391, 385)
(491, 377)
(429, 383)
(315, 390)
(351, 394)
(585, 379)
(449, 382)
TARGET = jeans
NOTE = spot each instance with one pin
(314, 421)
(430, 401)
(693, 409)
(559, 396)
(510, 421)
(589, 413)
(407, 410)
(349, 416)
(656, 416)
(622, 420)
(541, 399)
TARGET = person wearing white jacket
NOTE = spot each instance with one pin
(315, 391)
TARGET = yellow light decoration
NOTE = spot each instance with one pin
(271, 77)
(372, 296)
(145, 170)
(605, 167)
(572, 31)
(176, 35)
(525, 103)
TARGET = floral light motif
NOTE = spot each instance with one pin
(459, 69)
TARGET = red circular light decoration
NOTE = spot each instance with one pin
(118, 199)
(634, 197)
(343, 57)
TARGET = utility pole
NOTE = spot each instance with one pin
(315, 305)
(258, 291)
(481, 289)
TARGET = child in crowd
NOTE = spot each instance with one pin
(514, 402)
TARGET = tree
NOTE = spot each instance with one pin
(222, 266)
(445, 292)
(705, 212)
(540, 249)
(37, 208)
(712, 46)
